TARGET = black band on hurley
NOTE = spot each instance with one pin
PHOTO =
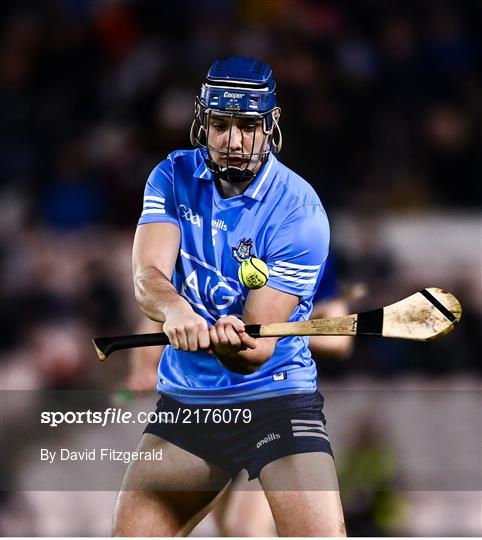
(253, 330)
(443, 310)
(370, 322)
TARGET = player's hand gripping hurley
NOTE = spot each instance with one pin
(423, 316)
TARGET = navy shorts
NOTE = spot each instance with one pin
(221, 435)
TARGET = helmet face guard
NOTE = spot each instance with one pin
(238, 88)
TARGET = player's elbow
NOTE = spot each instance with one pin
(141, 285)
(144, 278)
(142, 300)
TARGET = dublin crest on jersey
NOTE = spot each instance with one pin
(243, 251)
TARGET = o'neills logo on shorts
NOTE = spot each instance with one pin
(269, 438)
(233, 95)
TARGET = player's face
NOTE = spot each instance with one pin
(236, 141)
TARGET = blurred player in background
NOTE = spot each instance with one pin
(205, 212)
(330, 301)
(241, 500)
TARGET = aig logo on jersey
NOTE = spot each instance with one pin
(187, 214)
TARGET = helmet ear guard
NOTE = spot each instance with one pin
(276, 137)
(197, 134)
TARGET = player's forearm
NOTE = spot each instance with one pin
(250, 360)
(156, 295)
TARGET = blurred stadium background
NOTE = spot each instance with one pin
(382, 110)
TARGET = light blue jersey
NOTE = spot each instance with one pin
(278, 219)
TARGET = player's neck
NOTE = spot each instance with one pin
(229, 189)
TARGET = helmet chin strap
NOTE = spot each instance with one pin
(235, 175)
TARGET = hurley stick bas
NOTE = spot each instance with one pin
(423, 316)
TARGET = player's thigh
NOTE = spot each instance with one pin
(244, 510)
(302, 491)
(165, 497)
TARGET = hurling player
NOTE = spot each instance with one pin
(206, 211)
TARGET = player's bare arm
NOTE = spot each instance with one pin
(156, 247)
(234, 347)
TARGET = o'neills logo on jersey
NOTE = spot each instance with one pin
(269, 438)
(243, 251)
(219, 224)
(233, 95)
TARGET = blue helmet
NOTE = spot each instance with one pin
(237, 87)
(239, 84)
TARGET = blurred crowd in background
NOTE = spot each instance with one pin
(381, 99)
(381, 112)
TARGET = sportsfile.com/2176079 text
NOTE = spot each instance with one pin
(114, 415)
